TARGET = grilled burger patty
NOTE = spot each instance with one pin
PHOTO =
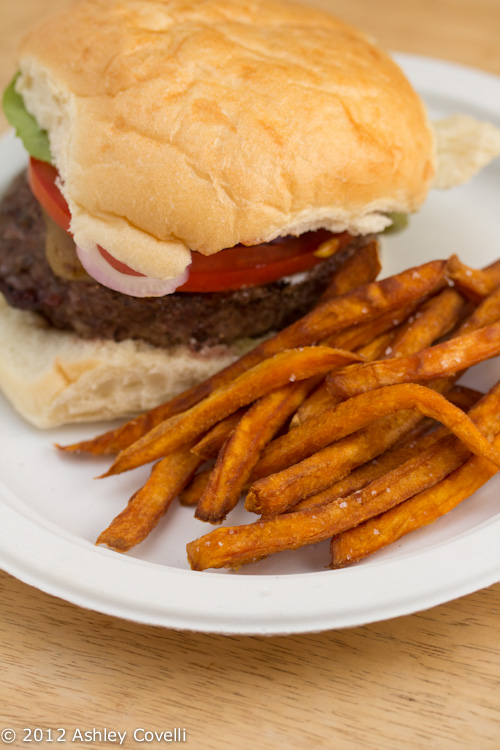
(94, 311)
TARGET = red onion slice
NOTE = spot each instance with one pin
(135, 286)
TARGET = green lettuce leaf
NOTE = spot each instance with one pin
(35, 140)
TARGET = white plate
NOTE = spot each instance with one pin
(51, 510)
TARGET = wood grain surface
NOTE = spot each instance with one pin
(430, 680)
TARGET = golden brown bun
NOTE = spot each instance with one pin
(56, 377)
(182, 124)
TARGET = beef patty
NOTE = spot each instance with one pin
(92, 310)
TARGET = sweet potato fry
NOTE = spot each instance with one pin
(463, 397)
(377, 348)
(242, 449)
(415, 442)
(493, 270)
(191, 494)
(360, 304)
(485, 413)
(486, 313)
(337, 421)
(285, 367)
(434, 319)
(232, 547)
(254, 432)
(237, 545)
(209, 445)
(321, 398)
(318, 472)
(471, 282)
(333, 463)
(438, 361)
(423, 508)
(361, 334)
(360, 268)
(146, 507)
(357, 306)
(113, 441)
(352, 415)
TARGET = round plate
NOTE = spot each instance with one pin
(51, 510)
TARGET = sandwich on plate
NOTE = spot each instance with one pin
(197, 170)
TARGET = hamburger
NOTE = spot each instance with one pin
(197, 171)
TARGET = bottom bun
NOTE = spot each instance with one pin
(53, 377)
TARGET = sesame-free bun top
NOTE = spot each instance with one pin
(183, 124)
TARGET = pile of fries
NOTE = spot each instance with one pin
(329, 429)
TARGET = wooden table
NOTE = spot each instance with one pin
(429, 681)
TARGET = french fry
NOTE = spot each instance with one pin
(353, 545)
(360, 268)
(424, 508)
(146, 507)
(486, 313)
(209, 445)
(463, 397)
(389, 431)
(352, 415)
(316, 473)
(235, 546)
(363, 540)
(243, 447)
(272, 373)
(471, 282)
(319, 471)
(221, 492)
(377, 348)
(438, 361)
(321, 398)
(361, 334)
(361, 304)
(435, 318)
(341, 470)
(113, 441)
(252, 446)
(445, 313)
(493, 270)
(415, 442)
(192, 492)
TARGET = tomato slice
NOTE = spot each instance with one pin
(238, 267)
(228, 270)
(42, 178)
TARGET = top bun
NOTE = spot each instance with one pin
(186, 124)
